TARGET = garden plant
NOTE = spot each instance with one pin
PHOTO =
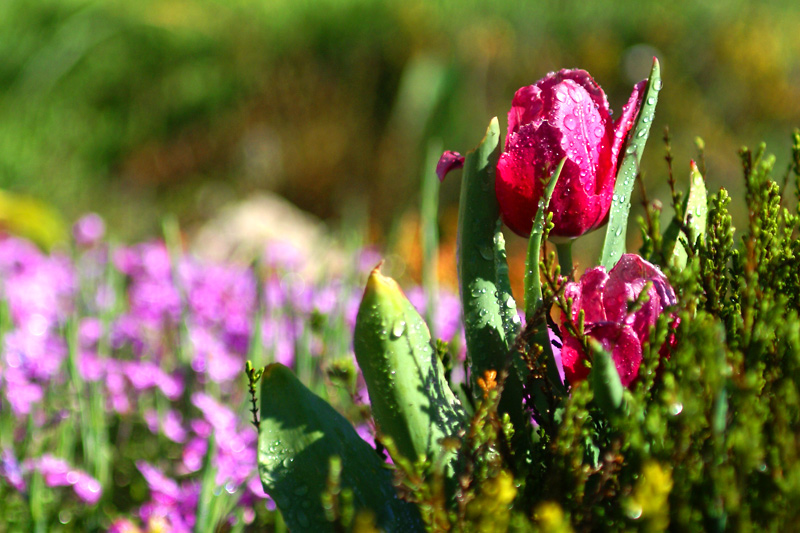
(145, 390)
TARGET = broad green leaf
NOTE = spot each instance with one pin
(411, 400)
(484, 295)
(299, 433)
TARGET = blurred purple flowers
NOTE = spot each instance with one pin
(604, 298)
(161, 347)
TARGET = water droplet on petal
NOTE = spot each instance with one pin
(560, 96)
(570, 122)
(576, 95)
(598, 132)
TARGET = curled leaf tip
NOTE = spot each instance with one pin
(449, 161)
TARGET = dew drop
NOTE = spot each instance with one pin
(676, 408)
(560, 96)
(657, 85)
(576, 95)
(618, 232)
(641, 133)
(651, 101)
(398, 329)
(570, 122)
(631, 148)
(598, 132)
(486, 252)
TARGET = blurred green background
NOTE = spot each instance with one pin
(137, 109)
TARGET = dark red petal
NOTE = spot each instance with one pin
(526, 108)
(572, 358)
(587, 295)
(625, 284)
(585, 80)
(576, 212)
(449, 161)
(518, 183)
(625, 121)
(623, 345)
(582, 127)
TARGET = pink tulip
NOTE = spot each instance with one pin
(604, 298)
(565, 114)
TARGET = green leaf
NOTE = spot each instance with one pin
(483, 275)
(605, 380)
(533, 284)
(299, 433)
(411, 400)
(614, 244)
(695, 209)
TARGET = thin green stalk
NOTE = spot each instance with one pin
(429, 233)
(172, 240)
(564, 251)
(533, 285)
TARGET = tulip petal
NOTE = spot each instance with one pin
(583, 130)
(526, 108)
(623, 345)
(624, 123)
(572, 358)
(625, 284)
(532, 103)
(520, 171)
(587, 295)
(449, 161)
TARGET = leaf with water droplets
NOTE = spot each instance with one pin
(614, 244)
(298, 424)
(484, 285)
(410, 398)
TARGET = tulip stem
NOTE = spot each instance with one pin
(564, 251)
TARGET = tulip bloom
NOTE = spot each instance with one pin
(604, 298)
(565, 114)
